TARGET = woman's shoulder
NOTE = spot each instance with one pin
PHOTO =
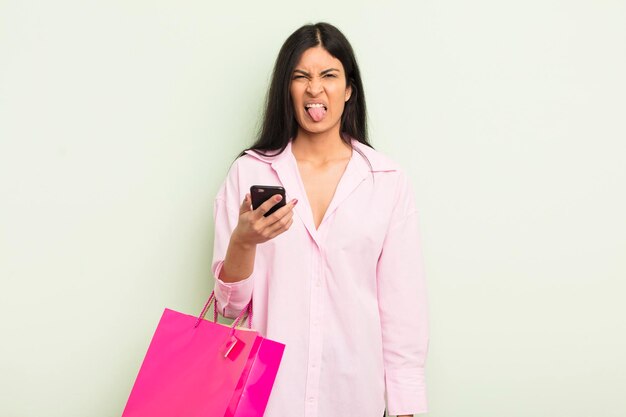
(250, 168)
(378, 161)
(251, 160)
(252, 157)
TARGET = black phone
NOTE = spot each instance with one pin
(261, 193)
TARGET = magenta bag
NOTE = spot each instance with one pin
(199, 368)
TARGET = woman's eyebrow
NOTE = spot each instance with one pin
(326, 71)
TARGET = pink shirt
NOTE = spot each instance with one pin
(348, 299)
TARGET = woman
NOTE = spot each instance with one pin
(335, 274)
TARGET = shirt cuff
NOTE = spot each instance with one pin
(406, 391)
(232, 297)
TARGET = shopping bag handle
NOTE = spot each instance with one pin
(246, 312)
(206, 307)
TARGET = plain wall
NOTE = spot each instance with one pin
(119, 119)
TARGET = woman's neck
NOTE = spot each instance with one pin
(320, 147)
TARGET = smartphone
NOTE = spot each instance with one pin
(261, 193)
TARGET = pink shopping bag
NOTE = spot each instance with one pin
(199, 368)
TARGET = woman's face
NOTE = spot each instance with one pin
(318, 91)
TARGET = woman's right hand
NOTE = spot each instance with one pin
(254, 228)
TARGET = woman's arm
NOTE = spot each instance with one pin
(234, 249)
(402, 307)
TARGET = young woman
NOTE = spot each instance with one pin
(336, 273)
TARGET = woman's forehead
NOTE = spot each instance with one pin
(318, 59)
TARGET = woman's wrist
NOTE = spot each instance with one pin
(239, 260)
(240, 243)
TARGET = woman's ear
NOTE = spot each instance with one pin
(348, 93)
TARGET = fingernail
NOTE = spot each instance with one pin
(295, 201)
(278, 197)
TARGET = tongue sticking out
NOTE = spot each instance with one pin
(316, 113)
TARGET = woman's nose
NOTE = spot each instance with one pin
(314, 86)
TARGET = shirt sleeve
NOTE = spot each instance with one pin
(231, 298)
(403, 308)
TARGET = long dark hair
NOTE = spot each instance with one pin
(279, 122)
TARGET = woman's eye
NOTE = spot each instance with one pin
(296, 77)
(331, 75)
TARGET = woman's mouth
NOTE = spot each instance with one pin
(316, 111)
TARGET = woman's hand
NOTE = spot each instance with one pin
(254, 228)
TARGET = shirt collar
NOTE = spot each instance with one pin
(378, 162)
